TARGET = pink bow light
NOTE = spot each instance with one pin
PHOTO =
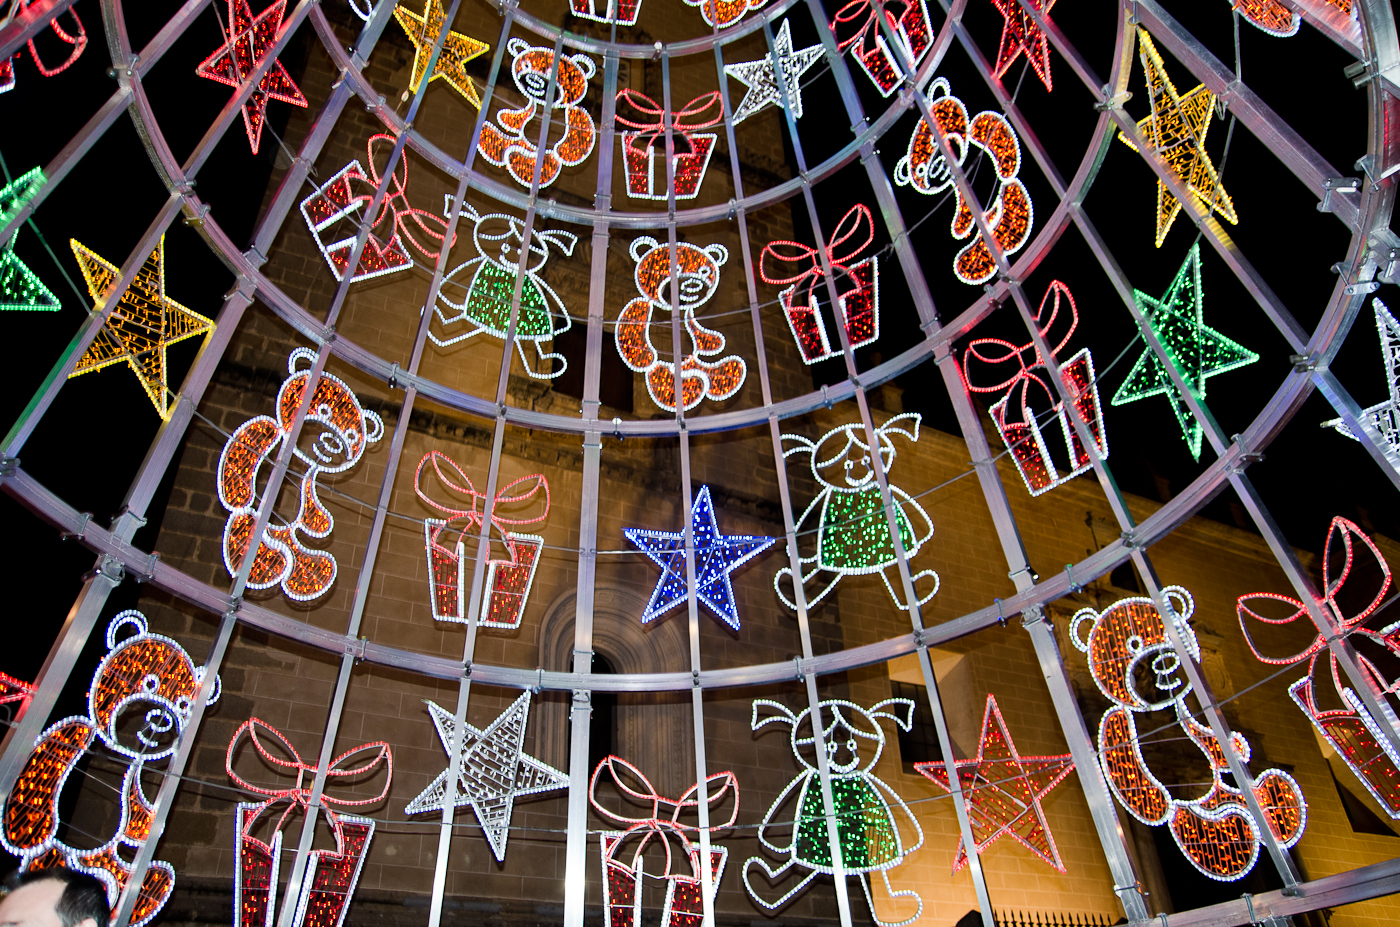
(1351, 730)
(860, 305)
(1018, 365)
(857, 28)
(508, 580)
(691, 152)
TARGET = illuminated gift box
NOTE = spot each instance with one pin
(857, 286)
(1022, 425)
(857, 29)
(644, 151)
(622, 12)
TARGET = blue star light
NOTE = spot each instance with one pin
(716, 556)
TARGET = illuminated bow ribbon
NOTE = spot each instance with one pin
(299, 796)
(78, 41)
(460, 483)
(655, 825)
(995, 352)
(856, 219)
(865, 13)
(15, 690)
(397, 200)
(684, 120)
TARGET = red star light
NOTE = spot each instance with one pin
(248, 41)
(1021, 34)
(1004, 790)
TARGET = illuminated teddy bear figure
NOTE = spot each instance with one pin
(695, 278)
(852, 533)
(1134, 665)
(144, 676)
(866, 828)
(513, 144)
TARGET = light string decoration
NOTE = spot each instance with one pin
(760, 77)
(457, 49)
(1127, 644)
(868, 832)
(1197, 351)
(851, 530)
(857, 285)
(510, 142)
(495, 771)
(684, 905)
(1176, 130)
(15, 692)
(1010, 214)
(1021, 430)
(21, 290)
(691, 149)
(1353, 591)
(695, 276)
(1004, 791)
(490, 287)
(141, 326)
(330, 214)
(76, 37)
(724, 13)
(1273, 17)
(1020, 35)
(622, 12)
(282, 557)
(18, 193)
(857, 30)
(716, 557)
(323, 898)
(508, 580)
(248, 41)
(143, 675)
(1384, 416)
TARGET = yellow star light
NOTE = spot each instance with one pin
(141, 326)
(457, 50)
(1177, 130)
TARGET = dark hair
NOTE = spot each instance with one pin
(83, 895)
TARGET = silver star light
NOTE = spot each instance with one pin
(495, 771)
(762, 82)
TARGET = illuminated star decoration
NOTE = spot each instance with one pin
(141, 326)
(250, 39)
(762, 81)
(1021, 34)
(1004, 790)
(495, 771)
(457, 50)
(1197, 350)
(20, 289)
(1384, 417)
(716, 556)
(1177, 130)
(16, 194)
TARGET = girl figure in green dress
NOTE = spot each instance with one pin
(866, 830)
(851, 530)
(489, 282)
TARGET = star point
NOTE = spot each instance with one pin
(716, 556)
(249, 40)
(495, 770)
(20, 288)
(1004, 791)
(457, 49)
(1177, 129)
(759, 76)
(1197, 350)
(141, 326)
(1019, 33)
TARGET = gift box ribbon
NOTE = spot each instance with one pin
(299, 795)
(843, 250)
(1010, 359)
(396, 199)
(451, 476)
(858, 21)
(685, 120)
(655, 825)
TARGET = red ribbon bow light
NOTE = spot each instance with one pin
(998, 353)
(299, 795)
(397, 201)
(684, 120)
(857, 220)
(857, 28)
(78, 39)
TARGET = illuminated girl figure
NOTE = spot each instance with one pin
(852, 533)
(489, 279)
(866, 828)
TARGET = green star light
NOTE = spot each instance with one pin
(1197, 350)
(20, 289)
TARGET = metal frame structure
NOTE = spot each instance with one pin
(1363, 206)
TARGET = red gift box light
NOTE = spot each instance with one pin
(622, 12)
(857, 28)
(644, 148)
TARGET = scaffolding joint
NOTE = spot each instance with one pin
(112, 568)
(1129, 542)
(467, 670)
(1336, 185)
(1385, 253)
(1001, 612)
(1075, 587)
(1111, 101)
(9, 466)
(83, 521)
(1303, 363)
(800, 674)
(148, 573)
(1247, 456)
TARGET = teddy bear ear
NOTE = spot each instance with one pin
(586, 65)
(129, 617)
(641, 246)
(718, 252)
(517, 46)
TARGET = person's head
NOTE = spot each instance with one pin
(53, 898)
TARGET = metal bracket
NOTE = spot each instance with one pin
(1336, 185)
(826, 397)
(254, 256)
(695, 679)
(1129, 542)
(539, 681)
(733, 208)
(83, 521)
(1073, 586)
(1303, 363)
(797, 668)
(9, 466)
(1001, 612)
(1107, 102)
(149, 572)
(1385, 252)
(112, 568)
(394, 375)
(617, 428)
(467, 670)
(919, 638)
(1359, 73)
(355, 648)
